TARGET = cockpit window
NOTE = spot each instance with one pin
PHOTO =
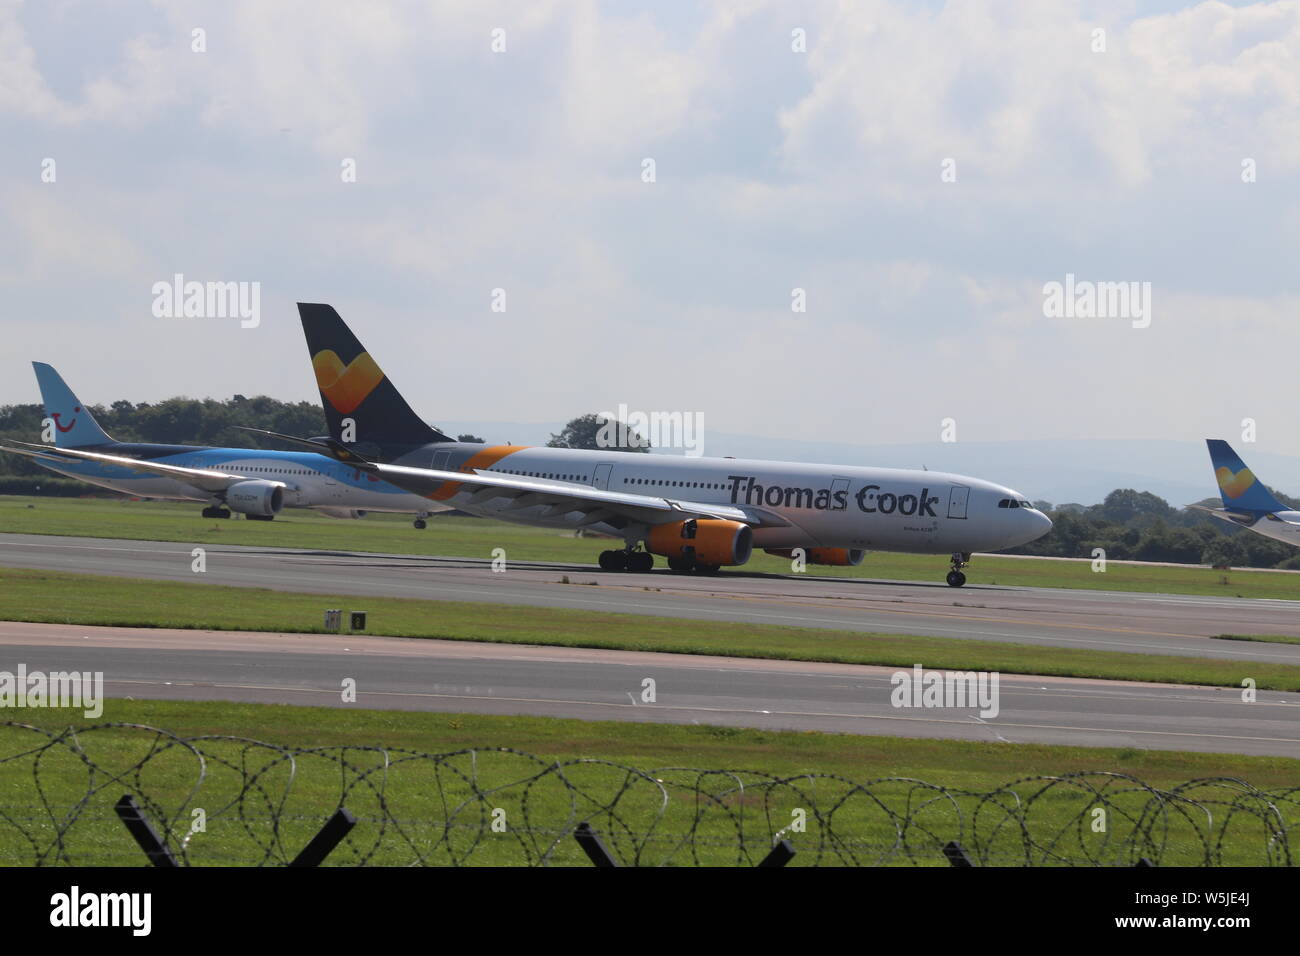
(1014, 504)
(1004, 503)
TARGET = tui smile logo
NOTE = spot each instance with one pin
(68, 427)
(1234, 486)
(345, 386)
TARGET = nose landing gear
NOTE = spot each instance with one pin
(955, 578)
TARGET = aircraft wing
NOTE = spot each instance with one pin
(205, 480)
(560, 497)
(1241, 518)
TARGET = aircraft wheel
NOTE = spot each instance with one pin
(613, 560)
(956, 579)
(680, 564)
(707, 568)
(640, 562)
(420, 524)
(216, 513)
(260, 517)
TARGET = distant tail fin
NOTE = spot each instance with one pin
(1238, 486)
(74, 426)
(352, 386)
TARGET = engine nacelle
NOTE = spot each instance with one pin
(255, 496)
(835, 557)
(706, 540)
(342, 512)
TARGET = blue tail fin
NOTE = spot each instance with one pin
(73, 424)
(1238, 486)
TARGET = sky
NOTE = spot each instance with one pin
(921, 171)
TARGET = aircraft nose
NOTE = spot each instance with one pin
(1042, 523)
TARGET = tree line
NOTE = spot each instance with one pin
(1127, 525)
(1134, 525)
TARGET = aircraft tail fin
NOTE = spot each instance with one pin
(74, 425)
(361, 405)
(1238, 486)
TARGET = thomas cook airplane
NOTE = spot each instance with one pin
(252, 482)
(699, 513)
(1246, 502)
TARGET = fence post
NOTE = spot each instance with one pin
(956, 854)
(780, 855)
(144, 833)
(331, 834)
(591, 845)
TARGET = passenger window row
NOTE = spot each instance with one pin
(541, 474)
(673, 484)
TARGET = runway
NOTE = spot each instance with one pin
(465, 677)
(1115, 621)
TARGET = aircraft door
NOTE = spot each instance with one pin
(600, 479)
(957, 501)
(440, 459)
(838, 502)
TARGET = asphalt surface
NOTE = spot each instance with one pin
(1116, 621)
(452, 676)
(394, 673)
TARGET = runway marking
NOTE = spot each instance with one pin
(721, 710)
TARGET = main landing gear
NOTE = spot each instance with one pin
(216, 512)
(420, 524)
(641, 562)
(955, 578)
(638, 562)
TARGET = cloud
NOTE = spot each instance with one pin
(776, 170)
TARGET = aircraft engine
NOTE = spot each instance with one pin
(255, 496)
(837, 557)
(706, 540)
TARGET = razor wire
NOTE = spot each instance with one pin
(226, 800)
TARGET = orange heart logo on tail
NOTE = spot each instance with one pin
(1234, 486)
(346, 386)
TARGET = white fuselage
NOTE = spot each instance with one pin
(835, 506)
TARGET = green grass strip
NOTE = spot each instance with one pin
(1266, 638)
(476, 538)
(64, 598)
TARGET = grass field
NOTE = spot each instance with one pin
(469, 537)
(419, 798)
(25, 595)
(1266, 638)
